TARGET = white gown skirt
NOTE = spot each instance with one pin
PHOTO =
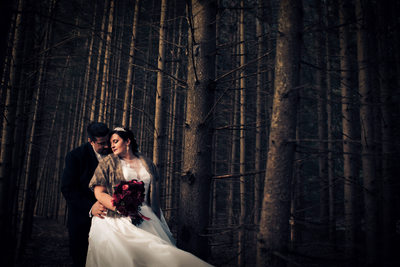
(117, 242)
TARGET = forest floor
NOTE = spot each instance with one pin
(48, 246)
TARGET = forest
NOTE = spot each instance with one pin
(274, 123)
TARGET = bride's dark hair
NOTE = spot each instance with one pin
(126, 134)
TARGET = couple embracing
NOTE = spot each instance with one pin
(101, 235)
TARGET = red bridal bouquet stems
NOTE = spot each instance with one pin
(127, 198)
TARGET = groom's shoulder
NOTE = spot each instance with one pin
(80, 151)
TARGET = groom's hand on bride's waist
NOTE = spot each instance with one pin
(99, 210)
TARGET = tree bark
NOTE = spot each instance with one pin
(197, 165)
(106, 66)
(94, 106)
(322, 124)
(233, 160)
(273, 235)
(160, 108)
(366, 92)
(175, 120)
(259, 110)
(350, 151)
(330, 123)
(242, 138)
(129, 75)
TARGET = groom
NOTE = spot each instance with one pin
(80, 165)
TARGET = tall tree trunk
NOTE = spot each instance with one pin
(129, 75)
(322, 125)
(9, 30)
(94, 111)
(234, 120)
(106, 66)
(76, 114)
(197, 165)
(175, 120)
(350, 152)
(61, 148)
(233, 159)
(242, 150)
(160, 112)
(259, 109)
(273, 236)
(330, 124)
(147, 92)
(297, 203)
(367, 129)
(17, 164)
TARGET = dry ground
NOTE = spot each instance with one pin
(48, 246)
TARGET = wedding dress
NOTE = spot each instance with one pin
(118, 242)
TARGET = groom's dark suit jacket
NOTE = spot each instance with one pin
(80, 165)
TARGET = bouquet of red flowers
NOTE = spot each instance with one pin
(127, 198)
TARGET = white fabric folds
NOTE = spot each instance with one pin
(117, 242)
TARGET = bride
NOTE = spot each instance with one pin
(113, 239)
